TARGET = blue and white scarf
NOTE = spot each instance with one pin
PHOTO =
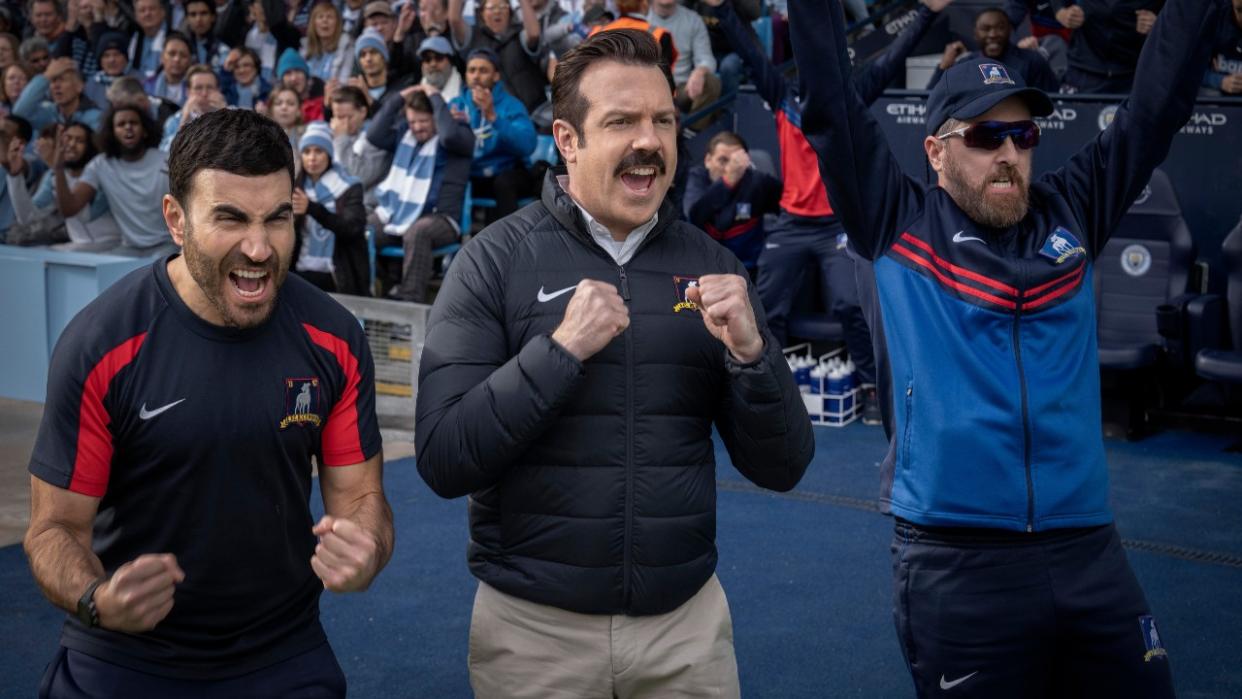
(318, 243)
(403, 193)
(152, 52)
(263, 44)
(160, 87)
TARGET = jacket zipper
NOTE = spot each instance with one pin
(628, 562)
(1026, 417)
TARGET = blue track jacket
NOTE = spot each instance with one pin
(992, 333)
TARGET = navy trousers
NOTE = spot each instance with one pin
(791, 247)
(314, 674)
(1001, 614)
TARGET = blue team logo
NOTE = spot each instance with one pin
(995, 74)
(301, 403)
(742, 213)
(1151, 639)
(1061, 246)
(684, 284)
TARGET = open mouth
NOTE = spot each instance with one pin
(1002, 185)
(249, 284)
(638, 180)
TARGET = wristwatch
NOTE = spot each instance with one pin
(87, 614)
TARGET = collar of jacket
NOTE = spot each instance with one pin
(565, 211)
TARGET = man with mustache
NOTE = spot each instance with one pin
(576, 360)
(996, 473)
(171, 478)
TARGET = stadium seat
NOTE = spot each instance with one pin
(1146, 264)
(545, 152)
(1224, 364)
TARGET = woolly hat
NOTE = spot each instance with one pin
(371, 39)
(291, 60)
(317, 133)
(111, 40)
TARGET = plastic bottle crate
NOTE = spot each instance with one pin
(826, 404)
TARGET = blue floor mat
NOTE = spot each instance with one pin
(807, 574)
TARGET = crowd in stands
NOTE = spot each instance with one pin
(403, 113)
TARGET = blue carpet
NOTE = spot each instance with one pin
(807, 575)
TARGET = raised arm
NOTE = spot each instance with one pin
(456, 136)
(459, 31)
(768, 80)
(1103, 179)
(866, 186)
(871, 79)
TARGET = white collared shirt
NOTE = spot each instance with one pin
(619, 250)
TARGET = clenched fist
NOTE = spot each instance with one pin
(728, 315)
(347, 557)
(594, 316)
(139, 594)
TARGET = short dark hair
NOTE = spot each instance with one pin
(989, 10)
(237, 141)
(91, 149)
(174, 35)
(211, 5)
(628, 46)
(56, 5)
(726, 137)
(105, 138)
(419, 102)
(350, 94)
(24, 130)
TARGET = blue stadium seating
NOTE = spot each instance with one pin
(445, 251)
(1221, 363)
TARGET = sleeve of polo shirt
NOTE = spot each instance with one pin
(351, 432)
(868, 190)
(74, 447)
(1102, 180)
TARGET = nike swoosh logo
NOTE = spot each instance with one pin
(544, 298)
(956, 682)
(148, 414)
(959, 238)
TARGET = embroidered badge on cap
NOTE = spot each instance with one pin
(1151, 639)
(301, 403)
(995, 74)
(1061, 246)
(682, 285)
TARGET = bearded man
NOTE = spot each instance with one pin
(171, 477)
(996, 475)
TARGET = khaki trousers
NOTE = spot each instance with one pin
(523, 649)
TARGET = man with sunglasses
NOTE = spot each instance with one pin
(996, 473)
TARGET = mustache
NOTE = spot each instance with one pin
(236, 261)
(1006, 171)
(642, 158)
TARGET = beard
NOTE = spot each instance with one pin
(437, 78)
(212, 276)
(974, 201)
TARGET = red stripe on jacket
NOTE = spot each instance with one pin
(960, 271)
(926, 264)
(342, 441)
(92, 463)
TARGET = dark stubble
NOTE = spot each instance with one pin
(210, 277)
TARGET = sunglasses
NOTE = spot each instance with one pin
(990, 135)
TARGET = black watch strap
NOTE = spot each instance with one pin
(87, 614)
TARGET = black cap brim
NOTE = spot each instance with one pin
(1036, 100)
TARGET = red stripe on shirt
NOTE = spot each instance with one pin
(92, 463)
(1077, 277)
(1036, 290)
(926, 264)
(732, 231)
(960, 271)
(342, 441)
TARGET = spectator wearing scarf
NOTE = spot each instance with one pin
(420, 201)
(331, 248)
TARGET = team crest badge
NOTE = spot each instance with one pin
(742, 212)
(1151, 639)
(301, 403)
(1135, 260)
(1061, 246)
(995, 74)
(684, 284)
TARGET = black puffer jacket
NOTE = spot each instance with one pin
(593, 485)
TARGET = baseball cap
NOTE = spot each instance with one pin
(435, 44)
(377, 7)
(973, 86)
(488, 54)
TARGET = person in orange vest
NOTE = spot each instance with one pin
(634, 16)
